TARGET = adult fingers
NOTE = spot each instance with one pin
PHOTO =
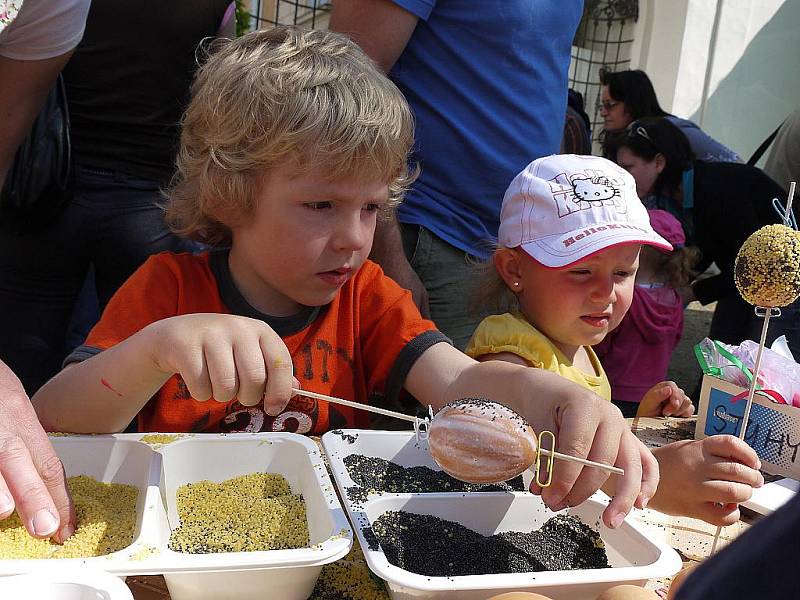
(252, 374)
(280, 372)
(27, 490)
(629, 485)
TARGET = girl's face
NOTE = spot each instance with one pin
(577, 305)
(644, 171)
(615, 114)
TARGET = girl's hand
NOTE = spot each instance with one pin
(225, 357)
(706, 479)
(665, 399)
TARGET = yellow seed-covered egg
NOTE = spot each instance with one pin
(767, 269)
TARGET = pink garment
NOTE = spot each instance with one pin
(636, 354)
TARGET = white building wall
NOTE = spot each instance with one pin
(754, 78)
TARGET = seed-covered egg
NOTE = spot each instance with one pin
(767, 268)
(481, 441)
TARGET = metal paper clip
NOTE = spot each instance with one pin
(787, 217)
(550, 456)
(422, 426)
(762, 311)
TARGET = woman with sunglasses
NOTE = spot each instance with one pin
(629, 95)
(719, 205)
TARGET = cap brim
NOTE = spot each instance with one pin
(562, 250)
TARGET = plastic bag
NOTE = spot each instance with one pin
(778, 375)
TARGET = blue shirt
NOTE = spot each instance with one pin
(487, 81)
(703, 145)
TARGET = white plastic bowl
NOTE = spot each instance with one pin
(82, 583)
(160, 470)
(285, 574)
(634, 558)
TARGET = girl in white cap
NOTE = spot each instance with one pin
(571, 228)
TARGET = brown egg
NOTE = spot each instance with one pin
(678, 580)
(480, 441)
(520, 596)
(627, 592)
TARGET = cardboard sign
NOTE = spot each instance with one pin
(773, 430)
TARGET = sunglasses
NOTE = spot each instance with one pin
(635, 129)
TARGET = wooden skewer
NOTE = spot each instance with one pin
(358, 405)
(404, 417)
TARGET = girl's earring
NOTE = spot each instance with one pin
(516, 284)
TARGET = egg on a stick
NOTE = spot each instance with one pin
(481, 441)
(767, 267)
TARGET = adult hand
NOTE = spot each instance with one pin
(665, 399)
(32, 477)
(706, 479)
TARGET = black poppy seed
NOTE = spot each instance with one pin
(349, 438)
(372, 474)
(431, 546)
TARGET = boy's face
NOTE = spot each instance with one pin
(305, 238)
(579, 304)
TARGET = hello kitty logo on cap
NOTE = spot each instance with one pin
(563, 208)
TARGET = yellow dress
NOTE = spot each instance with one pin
(510, 332)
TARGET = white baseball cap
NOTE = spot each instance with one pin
(563, 208)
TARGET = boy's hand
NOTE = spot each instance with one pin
(593, 428)
(706, 479)
(665, 399)
(225, 357)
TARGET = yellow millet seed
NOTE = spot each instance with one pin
(160, 439)
(349, 577)
(767, 268)
(244, 514)
(106, 523)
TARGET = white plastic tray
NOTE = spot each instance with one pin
(83, 583)
(158, 471)
(771, 496)
(634, 557)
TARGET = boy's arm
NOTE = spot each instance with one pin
(219, 356)
(585, 425)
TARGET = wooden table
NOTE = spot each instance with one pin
(692, 538)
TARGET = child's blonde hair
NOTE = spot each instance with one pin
(310, 97)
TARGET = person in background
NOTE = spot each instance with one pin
(629, 95)
(488, 87)
(127, 84)
(783, 162)
(636, 354)
(34, 47)
(571, 231)
(719, 205)
(293, 144)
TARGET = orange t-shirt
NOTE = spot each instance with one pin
(359, 347)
